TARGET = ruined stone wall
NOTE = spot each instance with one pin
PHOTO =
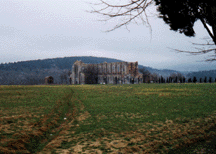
(108, 73)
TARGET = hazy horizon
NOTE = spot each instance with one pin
(39, 29)
(109, 58)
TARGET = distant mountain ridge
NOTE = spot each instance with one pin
(34, 71)
(62, 63)
(65, 63)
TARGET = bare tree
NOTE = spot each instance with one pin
(63, 78)
(202, 48)
(180, 15)
(126, 11)
(91, 74)
(177, 77)
(146, 74)
(173, 75)
(180, 77)
(155, 77)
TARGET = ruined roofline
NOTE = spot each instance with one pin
(79, 61)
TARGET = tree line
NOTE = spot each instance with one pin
(173, 78)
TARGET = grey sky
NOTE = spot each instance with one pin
(38, 29)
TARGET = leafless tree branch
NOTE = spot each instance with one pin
(130, 11)
(135, 10)
(202, 50)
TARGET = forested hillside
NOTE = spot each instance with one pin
(34, 71)
(61, 63)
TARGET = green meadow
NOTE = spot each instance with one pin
(141, 118)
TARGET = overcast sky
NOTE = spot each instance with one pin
(40, 29)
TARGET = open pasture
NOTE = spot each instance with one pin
(28, 114)
(145, 118)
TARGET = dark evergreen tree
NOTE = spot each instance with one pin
(215, 79)
(176, 79)
(170, 79)
(167, 80)
(180, 15)
(205, 79)
(161, 79)
(210, 79)
(189, 80)
(200, 80)
(194, 79)
(183, 79)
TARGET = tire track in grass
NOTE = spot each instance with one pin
(66, 135)
(47, 129)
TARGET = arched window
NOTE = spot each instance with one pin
(104, 68)
(75, 69)
(125, 67)
(113, 68)
(100, 69)
(109, 69)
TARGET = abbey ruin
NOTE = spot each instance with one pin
(106, 73)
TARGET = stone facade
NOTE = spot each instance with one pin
(108, 73)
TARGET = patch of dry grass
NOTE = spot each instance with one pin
(158, 137)
(98, 120)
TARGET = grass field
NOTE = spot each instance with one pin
(145, 118)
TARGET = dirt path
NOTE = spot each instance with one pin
(43, 132)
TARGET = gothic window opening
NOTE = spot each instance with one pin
(104, 69)
(118, 69)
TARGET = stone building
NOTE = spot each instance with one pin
(107, 73)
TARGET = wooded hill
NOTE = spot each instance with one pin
(34, 71)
